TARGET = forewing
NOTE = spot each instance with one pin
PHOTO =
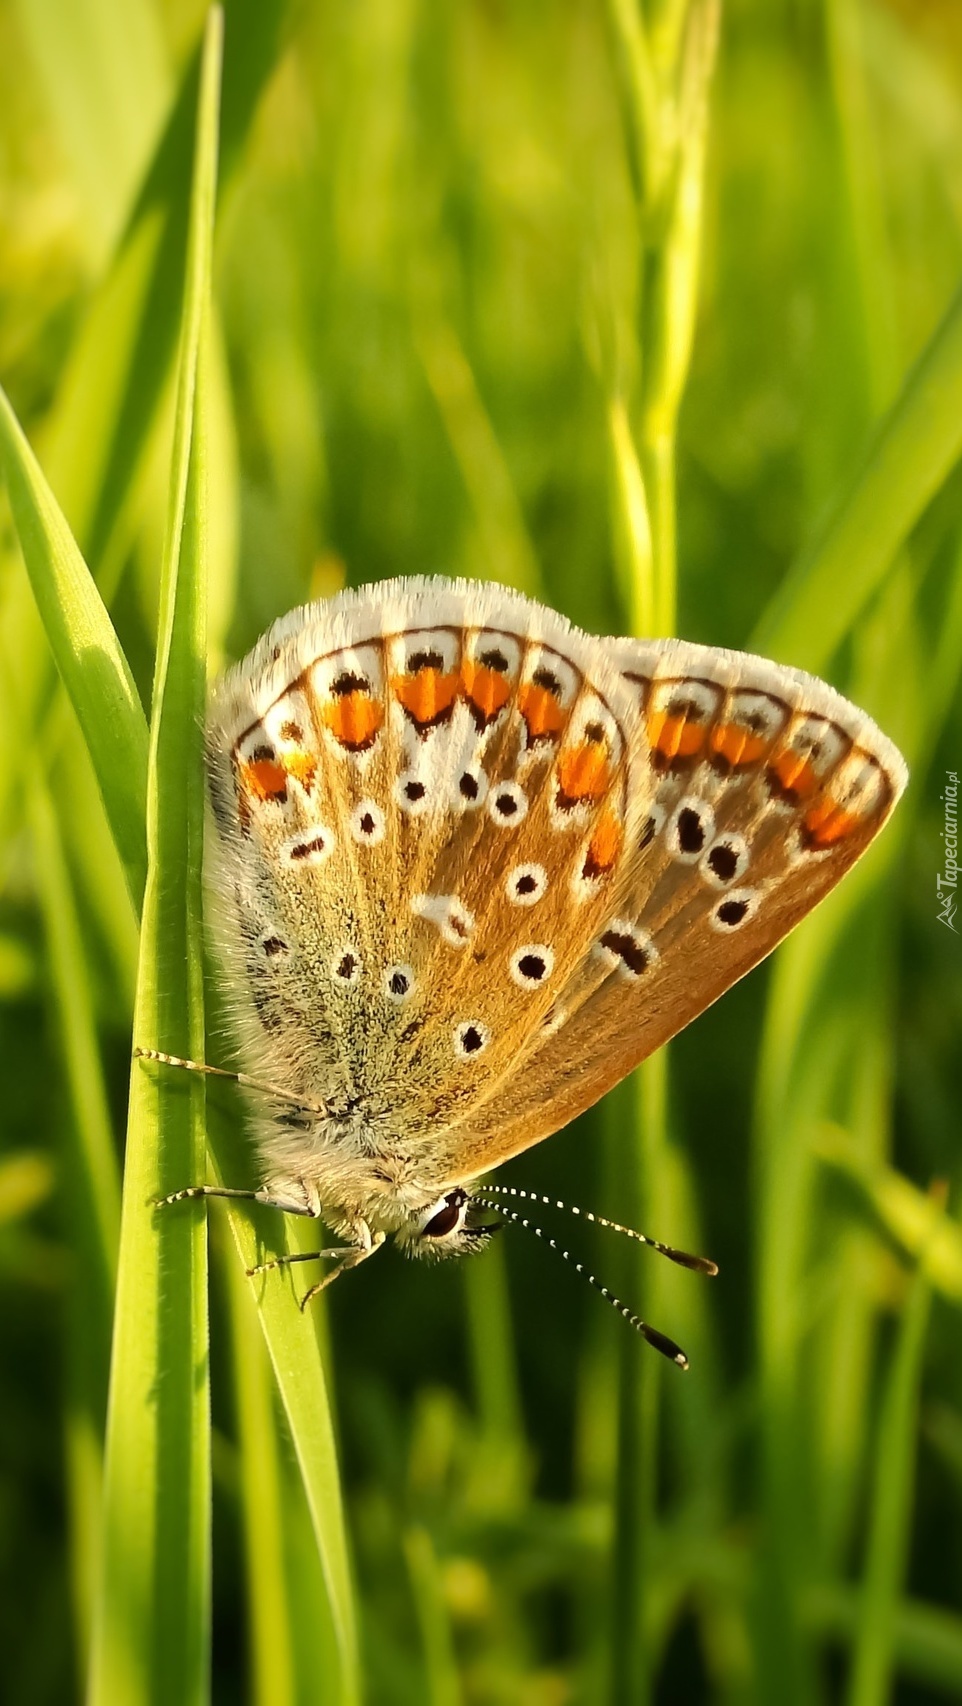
(421, 804)
(753, 789)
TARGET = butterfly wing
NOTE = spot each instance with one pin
(758, 788)
(473, 865)
(393, 864)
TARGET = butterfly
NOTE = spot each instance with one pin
(470, 865)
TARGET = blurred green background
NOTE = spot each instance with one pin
(444, 343)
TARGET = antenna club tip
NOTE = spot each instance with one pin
(711, 1268)
(682, 1361)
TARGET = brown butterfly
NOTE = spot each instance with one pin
(470, 865)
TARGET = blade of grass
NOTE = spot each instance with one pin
(111, 393)
(292, 1345)
(87, 653)
(152, 1630)
(926, 1639)
(440, 1662)
(90, 1186)
(272, 1661)
(891, 1509)
(905, 463)
(505, 547)
(665, 111)
(296, 1358)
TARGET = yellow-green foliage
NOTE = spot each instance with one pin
(654, 310)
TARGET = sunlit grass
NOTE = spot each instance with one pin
(560, 299)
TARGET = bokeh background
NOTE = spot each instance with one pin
(454, 294)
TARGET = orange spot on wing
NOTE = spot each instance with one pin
(675, 737)
(793, 774)
(605, 844)
(354, 719)
(737, 745)
(827, 823)
(265, 779)
(486, 689)
(544, 717)
(583, 772)
(427, 695)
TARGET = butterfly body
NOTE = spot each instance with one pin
(470, 865)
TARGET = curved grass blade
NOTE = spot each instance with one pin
(152, 1621)
(86, 649)
(111, 396)
(907, 459)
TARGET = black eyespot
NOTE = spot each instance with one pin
(304, 849)
(399, 983)
(594, 732)
(494, 660)
(691, 830)
(532, 967)
(634, 955)
(723, 860)
(468, 786)
(274, 945)
(687, 709)
(525, 884)
(414, 790)
(349, 683)
(544, 678)
(263, 755)
(731, 912)
(367, 824)
(447, 1218)
(424, 660)
(346, 967)
(470, 1038)
(506, 804)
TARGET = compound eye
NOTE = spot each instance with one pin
(447, 1218)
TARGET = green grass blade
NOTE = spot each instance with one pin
(90, 1187)
(891, 1509)
(926, 1639)
(440, 1663)
(152, 1632)
(292, 1345)
(272, 1659)
(504, 547)
(906, 462)
(87, 652)
(111, 394)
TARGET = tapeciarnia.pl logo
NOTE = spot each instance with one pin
(947, 881)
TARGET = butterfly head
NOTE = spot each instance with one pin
(445, 1227)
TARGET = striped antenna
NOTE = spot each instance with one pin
(659, 1341)
(698, 1264)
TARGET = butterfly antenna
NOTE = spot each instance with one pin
(698, 1264)
(658, 1341)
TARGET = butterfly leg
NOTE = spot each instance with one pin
(351, 1258)
(242, 1078)
(267, 1196)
